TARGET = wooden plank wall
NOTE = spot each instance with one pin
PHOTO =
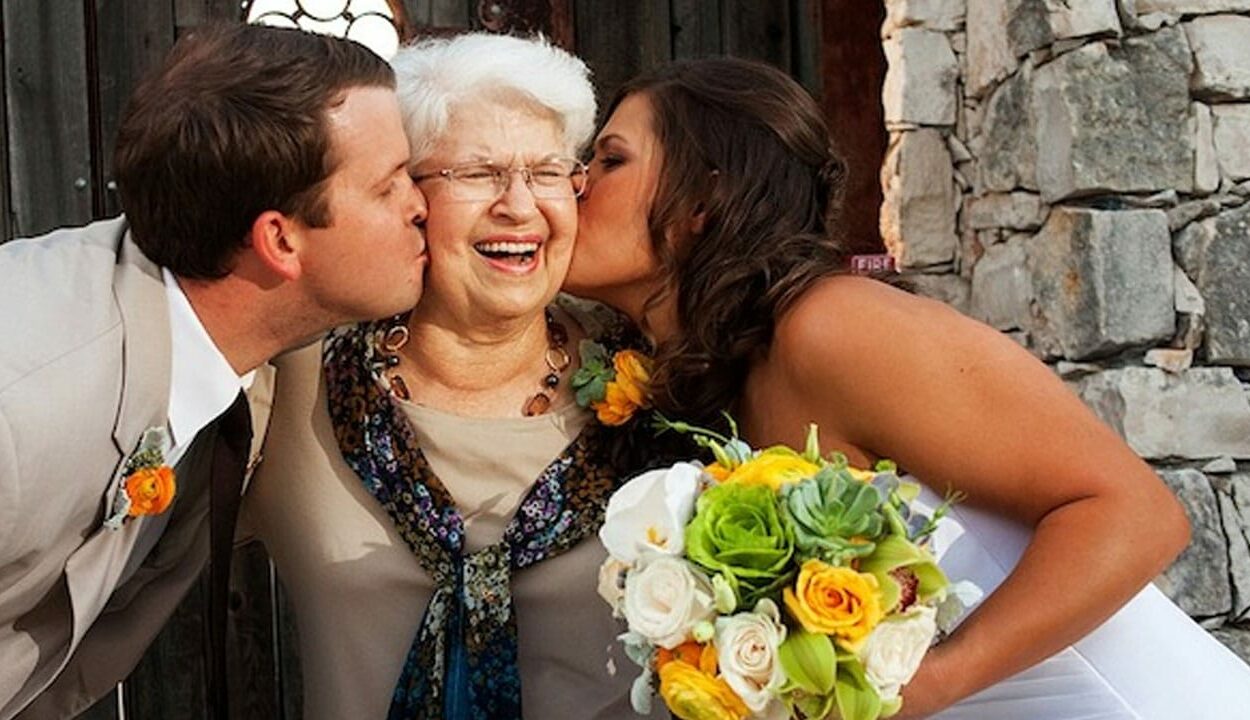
(131, 38)
(48, 121)
(6, 217)
(621, 39)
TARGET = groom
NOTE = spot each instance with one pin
(263, 177)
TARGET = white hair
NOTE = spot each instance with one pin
(433, 76)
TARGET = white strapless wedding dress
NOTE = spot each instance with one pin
(1149, 661)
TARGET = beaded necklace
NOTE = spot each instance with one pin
(556, 357)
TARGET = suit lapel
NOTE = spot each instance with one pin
(144, 308)
(92, 572)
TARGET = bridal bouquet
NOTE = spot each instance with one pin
(773, 583)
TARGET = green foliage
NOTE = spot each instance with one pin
(590, 382)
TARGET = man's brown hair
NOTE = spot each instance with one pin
(233, 124)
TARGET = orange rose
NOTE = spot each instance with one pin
(150, 490)
(835, 601)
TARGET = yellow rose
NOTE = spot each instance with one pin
(835, 601)
(633, 375)
(773, 468)
(150, 490)
(695, 695)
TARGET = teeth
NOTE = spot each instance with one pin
(510, 248)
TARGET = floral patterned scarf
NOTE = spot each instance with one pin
(462, 664)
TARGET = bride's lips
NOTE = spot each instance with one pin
(513, 254)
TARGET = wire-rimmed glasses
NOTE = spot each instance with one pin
(553, 179)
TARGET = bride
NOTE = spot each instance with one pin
(709, 219)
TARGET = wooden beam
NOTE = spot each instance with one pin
(618, 40)
(132, 40)
(696, 29)
(46, 102)
(6, 212)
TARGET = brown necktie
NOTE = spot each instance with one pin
(234, 439)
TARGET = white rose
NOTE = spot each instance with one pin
(612, 583)
(650, 513)
(893, 650)
(665, 598)
(746, 651)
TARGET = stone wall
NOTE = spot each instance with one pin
(1076, 174)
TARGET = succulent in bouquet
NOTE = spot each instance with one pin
(774, 583)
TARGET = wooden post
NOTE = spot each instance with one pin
(696, 29)
(6, 212)
(47, 112)
(132, 40)
(620, 40)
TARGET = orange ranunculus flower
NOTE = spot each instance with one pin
(616, 408)
(773, 468)
(150, 490)
(692, 694)
(690, 652)
(633, 375)
(627, 392)
(835, 601)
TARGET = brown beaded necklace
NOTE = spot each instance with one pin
(556, 357)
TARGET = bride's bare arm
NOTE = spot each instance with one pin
(963, 407)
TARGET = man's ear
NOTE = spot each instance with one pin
(278, 240)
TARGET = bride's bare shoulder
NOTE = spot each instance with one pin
(848, 312)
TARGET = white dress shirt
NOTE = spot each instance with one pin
(202, 384)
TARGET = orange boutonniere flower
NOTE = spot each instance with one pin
(614, 390)
(151, 490)
(148, 485)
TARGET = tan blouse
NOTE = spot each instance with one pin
(357, 590)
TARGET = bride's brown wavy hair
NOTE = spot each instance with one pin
(748, 157)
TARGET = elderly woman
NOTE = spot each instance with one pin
(431, 490)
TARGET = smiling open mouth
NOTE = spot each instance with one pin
(513, 253)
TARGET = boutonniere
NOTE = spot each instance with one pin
(616, 387)
(147, 486)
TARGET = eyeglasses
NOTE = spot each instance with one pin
(558, 179)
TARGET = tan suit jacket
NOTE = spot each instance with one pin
(84, 371)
